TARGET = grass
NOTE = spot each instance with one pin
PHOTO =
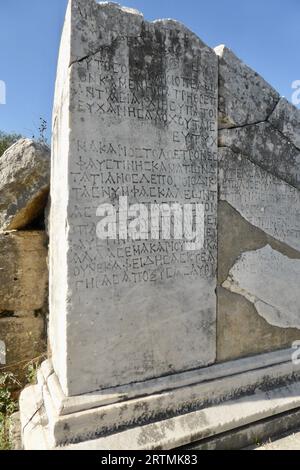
(10, 387)
(8, 405)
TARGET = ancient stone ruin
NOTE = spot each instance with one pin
(24, 190)
(155, 344)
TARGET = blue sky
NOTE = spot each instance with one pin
(264, 33)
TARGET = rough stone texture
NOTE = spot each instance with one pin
(283, 443)
(145, 315)
(188, 388)
(249, 437)
(241, 330)
(167, 434)
(265, 146)
(271, 282)
(286, 118)
(259, 212)
(259, 179)
(24, 337)
(23, 297)
(133, 324)
(24, 183)
(262, 199)
(260, 209)
(47, 217)
(23, 271)
(15, 437)
(244, 96)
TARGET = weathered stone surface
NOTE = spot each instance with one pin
(271, 282)
(134, 413)
(15, 437)
(23, 271)
(262, 199)
(24, 338)
(24, 183)
(133, 321)
(286, 118)
(263, 402)
(180, 388)
(146, 308)
(267, 147)
(241, 330)
(244, 96)
(249, 437)
(47, 217)
(289, 441)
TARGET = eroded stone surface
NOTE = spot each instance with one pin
(262, 199)
(234, 414)
(244, 96)
(241, 330)
(271, 282)
(267, 147)
(139, 309)
(24, 183)
(24, 338)
(286, 118)
(135, 115)
(23, 271)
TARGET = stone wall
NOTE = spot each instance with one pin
(258, 225)
(154, 343)
(24, 188)
(259, 209)
(175, 121)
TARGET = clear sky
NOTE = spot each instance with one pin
(264, 33)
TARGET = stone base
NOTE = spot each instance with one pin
(174, 411)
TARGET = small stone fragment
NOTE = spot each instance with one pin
(271, 282)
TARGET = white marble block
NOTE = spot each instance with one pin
(137, 360)
(135, 115)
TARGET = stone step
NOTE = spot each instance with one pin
(234, 424)
(289, 441)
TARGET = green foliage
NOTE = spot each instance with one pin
(7, 405)
(9, 390)
(31, 372)
(8, 381)
(7, 140)
(4, 441)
